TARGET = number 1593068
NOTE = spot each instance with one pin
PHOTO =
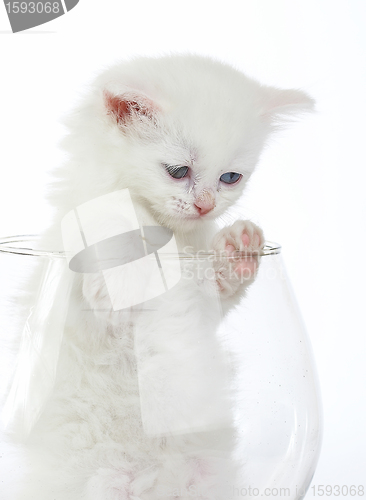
(33, 7)
(337, 490)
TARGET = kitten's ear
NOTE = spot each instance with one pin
(281, 105)
(129, 105)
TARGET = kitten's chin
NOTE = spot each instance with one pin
(183, 224)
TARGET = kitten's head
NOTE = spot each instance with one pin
(183, 133)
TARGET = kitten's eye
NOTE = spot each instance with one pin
(230, 177)
(176, 171)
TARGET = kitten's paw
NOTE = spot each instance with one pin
(238, 249)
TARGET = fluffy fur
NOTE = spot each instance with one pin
(91, 441)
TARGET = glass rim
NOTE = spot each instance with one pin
(20, 245)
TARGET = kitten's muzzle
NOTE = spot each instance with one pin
(205, 201)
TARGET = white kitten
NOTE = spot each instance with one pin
(139, 410)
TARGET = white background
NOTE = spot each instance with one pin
(308, 192)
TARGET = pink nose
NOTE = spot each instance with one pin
(205, 202)
(203, 208)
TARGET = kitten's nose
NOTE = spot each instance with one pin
(205, 201)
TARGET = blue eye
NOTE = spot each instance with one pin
(230, 177)
(176, 171)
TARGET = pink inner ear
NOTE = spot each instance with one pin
(288, 101)
(123, 107)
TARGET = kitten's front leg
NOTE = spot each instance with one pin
(95, 292)
(233, 270)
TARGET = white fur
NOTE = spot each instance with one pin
(89, 443)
